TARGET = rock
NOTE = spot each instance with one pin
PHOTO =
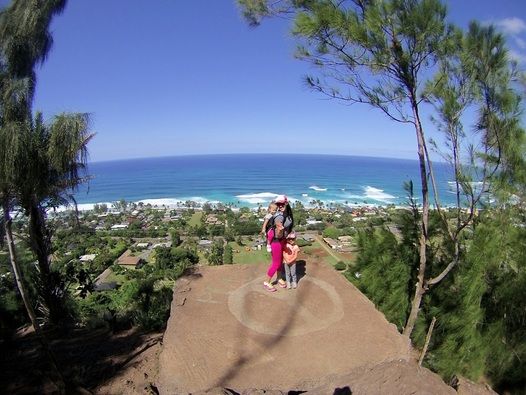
(468, 387)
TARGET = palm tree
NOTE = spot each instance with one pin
(57, 156)
(25, 42)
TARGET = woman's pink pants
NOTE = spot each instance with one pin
(277, 256)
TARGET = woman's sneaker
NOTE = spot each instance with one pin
(288, 285)
(294, 285)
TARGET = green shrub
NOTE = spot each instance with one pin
(340, 265)
(228, 257)
(154, 306)
(331, 232)
(383, 272)
(302, 242)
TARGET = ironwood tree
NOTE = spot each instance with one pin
(398, 55)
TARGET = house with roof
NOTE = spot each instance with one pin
(129, 261)
(87, 258)
(334, 244)
(142, 246)
(345, 239)
(166, 244)
(310, 237)
(204, 244)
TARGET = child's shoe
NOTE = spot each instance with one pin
(288, 285)
(269, 248)
(294, 285)
(282, 283)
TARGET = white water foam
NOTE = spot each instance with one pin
(377, 194)
(168, 202)
(354, 197)
(80, 207)
(200, 200)
(317, 188)
(257, 198)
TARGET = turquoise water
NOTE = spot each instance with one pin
(252, 179)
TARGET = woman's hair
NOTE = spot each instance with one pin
(288, 213)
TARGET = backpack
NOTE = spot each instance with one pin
(287, 225)
(270, 224)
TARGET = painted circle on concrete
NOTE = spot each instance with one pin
(310, 320)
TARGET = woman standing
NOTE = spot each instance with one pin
(283, 223)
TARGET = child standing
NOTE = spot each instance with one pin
(269, 235)
(290, 254)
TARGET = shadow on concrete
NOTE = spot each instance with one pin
(273, 342)
(301, 269)
(342, 391)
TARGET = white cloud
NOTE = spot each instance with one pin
(515, 29)
(512, 25)
(520, 42)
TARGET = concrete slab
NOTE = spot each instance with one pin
(226, 330)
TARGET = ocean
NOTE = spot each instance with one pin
(255, 179)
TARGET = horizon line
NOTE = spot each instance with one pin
(253, 153)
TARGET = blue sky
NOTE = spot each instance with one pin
(174, 77)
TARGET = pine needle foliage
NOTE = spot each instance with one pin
(503, 243)
(459, 345)
(480, 307)
(383, 273)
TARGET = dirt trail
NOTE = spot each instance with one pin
(226, 330)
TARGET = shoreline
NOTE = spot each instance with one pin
(247, 181)
(198, 204)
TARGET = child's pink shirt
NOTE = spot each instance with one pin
(290, 253)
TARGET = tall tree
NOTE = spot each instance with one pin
(57, 160)
(376, 52)
(487, 162)
(379, 53)
(25, 41)
(43, 162)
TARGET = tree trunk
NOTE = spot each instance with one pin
(39, 238)
(25, 298)
(426, 344)
(419, 286)
(41, 247)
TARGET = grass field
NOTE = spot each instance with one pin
(319, 252)
(314, 252)
(196, 218)
(248, 257)
(118, 278)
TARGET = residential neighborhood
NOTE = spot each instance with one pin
(110, 241)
